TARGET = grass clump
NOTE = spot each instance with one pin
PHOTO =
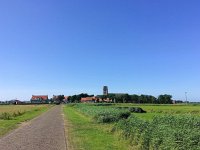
(112, 116)
(9, 116)
(18, 113)
(5, 116)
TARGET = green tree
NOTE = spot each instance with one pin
(77, 98)
(165, 99)
(126, 98)
(152, 99)
(59, 99)
(134, 98)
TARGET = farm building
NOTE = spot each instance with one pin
(17, 102)
(88, 99)
(66, 99)
(40, 99)
(101, 98)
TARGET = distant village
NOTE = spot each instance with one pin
(105, 97)
(44, 99)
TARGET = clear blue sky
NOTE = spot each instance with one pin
(73, 46)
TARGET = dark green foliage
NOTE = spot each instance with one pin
(58, 99)
(136, 110)
(105, 118)
(126, 98)
(112, 116)
(77, 98)
(133, 109)
(124, 114)
(165, 99)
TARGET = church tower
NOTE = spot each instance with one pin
(105, 90)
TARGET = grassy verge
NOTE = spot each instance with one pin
(8, 125)
(83, 133)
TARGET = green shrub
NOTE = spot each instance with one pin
(105, 118)
(14, 114)
(18, 113)
(5, 116)
(112, 116)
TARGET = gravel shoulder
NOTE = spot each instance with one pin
(45, 132)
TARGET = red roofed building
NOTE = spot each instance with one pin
(39, 99)
(66, 99)
(88, 99)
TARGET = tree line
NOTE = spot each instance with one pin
(125, 98)
(77, 98)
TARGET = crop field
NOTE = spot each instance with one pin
(159, 110)
(162, 127)
(19, 108)
(172, 109)
(12, 115)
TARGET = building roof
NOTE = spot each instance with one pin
(87, 98)
(66, 97)
(40, 97)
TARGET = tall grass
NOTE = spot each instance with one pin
(9, 112)
(12, 115)
(164, 132)
(8, 116)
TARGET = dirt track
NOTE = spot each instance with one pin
(46, 132)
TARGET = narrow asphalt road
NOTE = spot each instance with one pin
(46, 132)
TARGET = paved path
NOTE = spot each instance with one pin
(46, 132)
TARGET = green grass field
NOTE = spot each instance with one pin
(162, 127)
(13, 115)
(84, 133)
(173, 109)
(159, 110)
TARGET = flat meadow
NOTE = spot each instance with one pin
(163, 109)
(162, 127)
(16, 108)
(13, 115)
(168, 108)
